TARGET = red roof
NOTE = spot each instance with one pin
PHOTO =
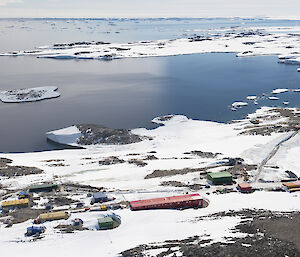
(292, 184)
(163, 200)
(244, 185)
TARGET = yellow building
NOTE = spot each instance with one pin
(15, 203)
(53, 216)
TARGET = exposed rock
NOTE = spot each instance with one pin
(12, 171)
(111, 160)
(173, 172)
(150, 158)
(137, 162)
(269, 234)
(5, 161)
(203, 154)
(97, 134)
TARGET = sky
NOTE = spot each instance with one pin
(149, 8)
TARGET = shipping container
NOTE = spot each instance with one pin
(173, 202)
(15, 203)
(53, 216)
(105, 223)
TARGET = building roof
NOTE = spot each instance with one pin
(294, 184)
(221, 174)
(105, 220)
(42, 186)
(244, 185)
(100, 195)
(15, 202)
(164, 200)
(53, 215)
(23, 193)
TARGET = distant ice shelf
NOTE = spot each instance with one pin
(28, 94)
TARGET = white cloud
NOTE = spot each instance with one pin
(6, 2)
(151, 8)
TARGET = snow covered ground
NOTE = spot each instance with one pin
(28, 94)
(143, 227)
(172, 145)
(243, 41)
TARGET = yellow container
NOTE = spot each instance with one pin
(54, 216)
(15, 203)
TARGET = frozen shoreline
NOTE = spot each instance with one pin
(243, 41)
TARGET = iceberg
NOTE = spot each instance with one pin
(28, 94)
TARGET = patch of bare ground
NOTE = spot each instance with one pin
(54, 160)
(5, 161)
(268, 234)
(235, 170)
(13, 171)
(173, 172)
(70, 228)
(292, 120)
(150, 158)
(20, 215)
(137, 162)
(203, 154)
(72, 187)
(60, 200)
(111, 160)
(180, 184)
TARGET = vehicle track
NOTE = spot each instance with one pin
(271, 155)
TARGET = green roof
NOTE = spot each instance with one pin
(105, 220)
(222, 174)
(42, 186)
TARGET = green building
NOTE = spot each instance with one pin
(105, 223)
(42, 188)
(217, 178)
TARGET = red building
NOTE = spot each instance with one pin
(244, 187)
(173, 202)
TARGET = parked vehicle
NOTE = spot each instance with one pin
(35, 230)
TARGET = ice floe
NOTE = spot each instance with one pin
(238, 104)
(251, 97)
(28, 94)
(279, 90)
(273, 98)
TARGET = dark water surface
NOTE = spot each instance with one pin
(128, 93)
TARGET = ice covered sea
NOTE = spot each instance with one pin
(128, 93)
